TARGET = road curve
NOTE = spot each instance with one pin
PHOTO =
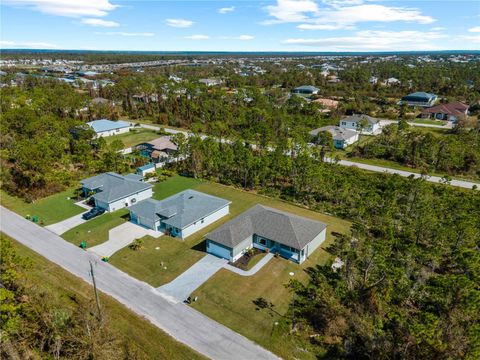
(183, 323)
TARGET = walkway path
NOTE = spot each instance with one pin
(253, 270)
(180, 321)
(193, 278)
(121, 236)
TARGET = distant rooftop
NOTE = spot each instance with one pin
(107, 125)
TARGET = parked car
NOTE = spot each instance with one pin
(93, 213)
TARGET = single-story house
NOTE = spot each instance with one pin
(158, 150)
(112, 191)
(327, 104)
(291, 236)
(210, 82)
(104, 127)
(341, 137)
(421, 99)
(451, 112)
(306, 90)
(146, 169)
(180, 215)
(354, 122)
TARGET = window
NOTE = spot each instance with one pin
(262, 241)
(202, 221)
(344, 123)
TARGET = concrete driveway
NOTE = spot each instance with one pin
(192, 278)
(67, 224)
(121, 236)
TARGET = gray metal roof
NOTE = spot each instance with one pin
(180, 210)
(337, 132)
(358, 118)
(113, 186)
(285, 228)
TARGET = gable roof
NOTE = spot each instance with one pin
(180, 210)
(107, 125)
(453, 108)
(285, 228)
(419, 96)
(309, 88)
(113, 187)
(357, 118)
(337, 132)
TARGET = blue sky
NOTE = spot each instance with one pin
(277, 25)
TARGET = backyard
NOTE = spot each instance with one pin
(49, 210)
(134, 137)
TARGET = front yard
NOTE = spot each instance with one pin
(49, 210)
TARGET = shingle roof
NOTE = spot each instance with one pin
(337, 132)
(285, 228)
(358, 118)
(106, 125)
(113, 186)
(180, 210)
(453, 108)
(419, 96)
(163, 143)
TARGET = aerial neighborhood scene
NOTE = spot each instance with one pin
(240, 180)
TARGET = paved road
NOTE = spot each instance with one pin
(253, 270)
(433, 179)
(191, 279)
(178, 320)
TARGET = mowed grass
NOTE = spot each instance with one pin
(49, 210)
(95, 231)
(134, 137)
(152, 342)
(177, 255)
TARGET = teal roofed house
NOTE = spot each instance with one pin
(306, 90)
(421, 99)
(105, 127)
(180, 215)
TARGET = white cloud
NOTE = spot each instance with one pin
(122, 33)
(27, 45)
(198, 37)
(225, 10)
(437, 28)
(240, 37)
(471, 38)
(372, 40)
(70, 8)
(474, 29)
(339, 14)
(179, 23)
(290, 11)
(99, 22)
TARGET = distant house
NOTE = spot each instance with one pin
(306, 90)
(354, 122)
(421, 99)
(106, 127)
(327, 104)
(87, 73)
(391, 81)
(180, 215)
(99, 101)
(341, 137)
(291, 236)
(453, 111)
(210, 82)
(112, 191)
(373, 80)
(158, 150)
(146, 169)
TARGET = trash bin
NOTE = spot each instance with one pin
(35, 219)
(83, 244)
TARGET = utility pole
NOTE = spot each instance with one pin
(97, 299)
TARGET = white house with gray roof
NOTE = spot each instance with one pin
(112, 191)
(363, 123)
(341, 137)
(180, 215)
(291, 236)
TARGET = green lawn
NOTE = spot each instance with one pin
(429, 122)
(152, 342)
(173, 185)
(95, 231)
(178, 255)
(51, 209)
(134, 137)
